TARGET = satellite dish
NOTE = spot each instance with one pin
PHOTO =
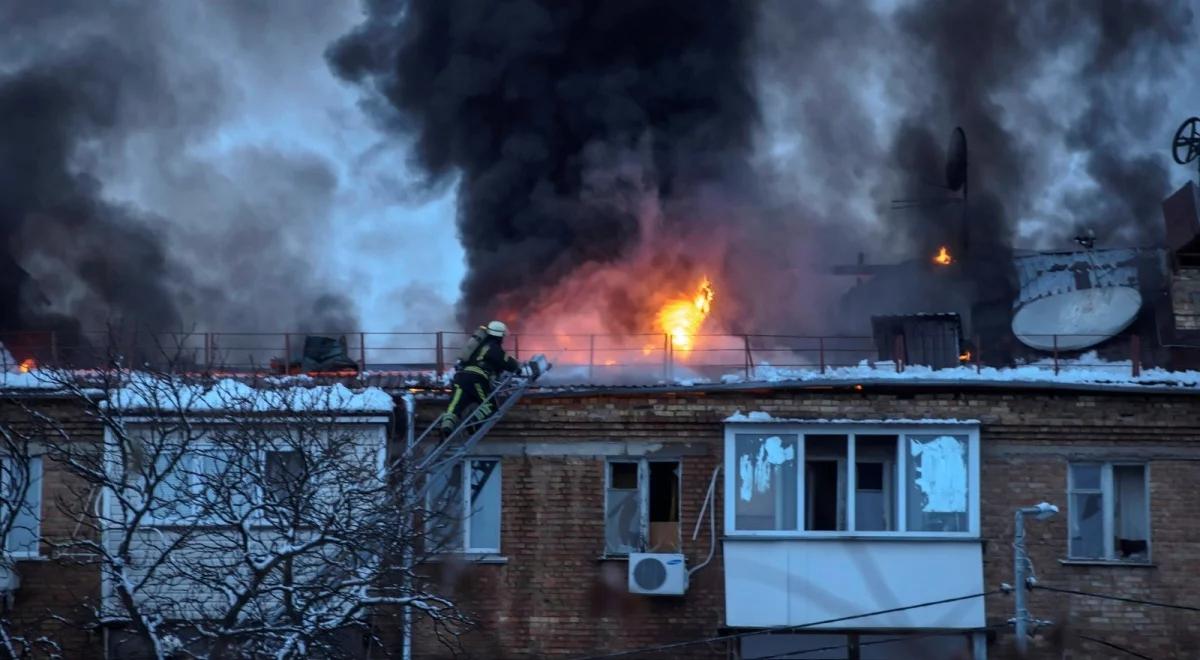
(1186, 145)
(956, 160)
(1079, 318)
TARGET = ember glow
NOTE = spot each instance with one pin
(965, 356)
(681, 318)
(27, 365)
(943, 257)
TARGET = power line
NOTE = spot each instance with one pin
(1114, 646)
(1137, 601)
(904, 638)
(779, 629)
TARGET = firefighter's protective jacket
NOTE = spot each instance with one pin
(489, 359)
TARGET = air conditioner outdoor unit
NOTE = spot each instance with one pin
(657, 574)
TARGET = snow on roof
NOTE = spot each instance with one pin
(1088, 369)
(762, 417)
(147, 392)
(33, 380)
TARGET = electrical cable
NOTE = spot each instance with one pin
(1123, 599)
(778, 629)
(904, 638)
(1114, 646)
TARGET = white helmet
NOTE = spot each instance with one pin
(497, 329)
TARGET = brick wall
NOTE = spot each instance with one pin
(52, 587)
(550, 599)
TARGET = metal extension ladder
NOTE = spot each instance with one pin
(459, 443)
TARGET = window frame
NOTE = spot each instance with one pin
(464, 533)
(902, 429)
(1107, 492)
(36, 485)
(643, 489)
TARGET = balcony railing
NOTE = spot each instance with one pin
(577, 358)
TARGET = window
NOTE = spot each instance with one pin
(284, 470)
(202, 485)
(1109, 512)
(465, 506)
(641, 506)
(795, 479)
(21, 487)
(767, 480)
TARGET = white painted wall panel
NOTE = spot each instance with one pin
(796, 581)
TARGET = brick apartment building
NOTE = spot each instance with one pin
(580, 477)
(1118, 461)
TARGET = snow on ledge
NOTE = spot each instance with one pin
(763, 417)
(149, 393)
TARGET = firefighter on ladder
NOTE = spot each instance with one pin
(481, 360)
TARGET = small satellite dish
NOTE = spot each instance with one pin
(1079, 318)
(956, 160)
(1186, 146)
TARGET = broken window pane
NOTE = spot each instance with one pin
(766, 478)
(622, 522)
(284, 472)
(1087, 526)
(485, 505)
(825, 482)
(937, 483)
(663, 498)
(874, 496)
(624, 476)
(1130, 526)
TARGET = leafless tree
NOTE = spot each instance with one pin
(244, 518)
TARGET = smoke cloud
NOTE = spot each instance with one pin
(133, 192)
(763, 142)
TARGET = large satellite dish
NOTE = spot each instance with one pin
(956, 160)
(1079, 319)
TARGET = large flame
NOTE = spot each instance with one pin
(27, 365)
(943, 257)
(681, 318)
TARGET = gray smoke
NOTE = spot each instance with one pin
(115, 205)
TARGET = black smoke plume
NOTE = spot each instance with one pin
(561, 119)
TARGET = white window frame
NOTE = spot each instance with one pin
(464, 466)
(36, 475)
(188, 463)
(901, 429)
(1108, 509)
(643, 487)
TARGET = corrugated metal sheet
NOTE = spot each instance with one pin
(933, 340)
(1042, 275)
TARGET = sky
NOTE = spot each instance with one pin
(273, 183)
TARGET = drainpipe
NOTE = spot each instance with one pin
(410, 420)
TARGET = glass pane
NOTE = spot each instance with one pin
(445, 508)
(937, 483)
(622, 522)
(1087, 526)
(624, 475)
(24, 534)
(875, 496)
(1085, 477)
(285, 470)
(1130, 526)
(485, 505)
(825, 482)
(171, 497)
(767, 472)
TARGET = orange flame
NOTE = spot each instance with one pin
(27, 365)
(965, 357)
(943, 257)
(681, 318)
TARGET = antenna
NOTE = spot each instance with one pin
(1185, 148)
